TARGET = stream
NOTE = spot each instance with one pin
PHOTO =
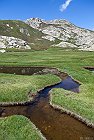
(53, 124)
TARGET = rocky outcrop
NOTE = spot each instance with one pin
(24, 31)
(66, 45)
(35, 22)
(48, 37)
(12, 42)
(69, 34)
(2, 51)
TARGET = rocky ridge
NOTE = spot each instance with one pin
(39, 34)
(68, 34)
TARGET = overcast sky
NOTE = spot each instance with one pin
(79, 12)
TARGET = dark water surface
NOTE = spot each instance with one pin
(52, 123)
(20, 70)
(89, 68)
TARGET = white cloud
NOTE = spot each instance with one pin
(65, 5)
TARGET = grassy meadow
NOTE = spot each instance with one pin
(18, 128)
(18, 88)
(15, 87)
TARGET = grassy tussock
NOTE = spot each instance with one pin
(18, 128)
(81, 103)
(16, 88)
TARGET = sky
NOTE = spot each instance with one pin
(79, 12)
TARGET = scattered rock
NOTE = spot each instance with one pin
(2, 51)
(24, 31)
(12, 42)
(65, 45)
(48, 37)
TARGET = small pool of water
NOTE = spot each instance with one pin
(20, 70)
(89, 68)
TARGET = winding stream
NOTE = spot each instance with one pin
(52, 123)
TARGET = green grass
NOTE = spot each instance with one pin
(81, 104)
(18, 128)
(70, 61)
(15, 88)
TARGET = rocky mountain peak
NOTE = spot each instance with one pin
(37, 22)
(58, 21)
(63, 30)
(34, 22)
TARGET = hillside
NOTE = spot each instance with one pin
(38, 34)
(12, 30)
(68, 34)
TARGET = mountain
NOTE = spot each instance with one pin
(38, 34)
(67, 33)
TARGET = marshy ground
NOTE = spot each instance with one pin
(71, 62)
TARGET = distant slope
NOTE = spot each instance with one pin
(69, 34)
(21, 30)
(39, 34)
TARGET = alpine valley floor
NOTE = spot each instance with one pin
(15, 87)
